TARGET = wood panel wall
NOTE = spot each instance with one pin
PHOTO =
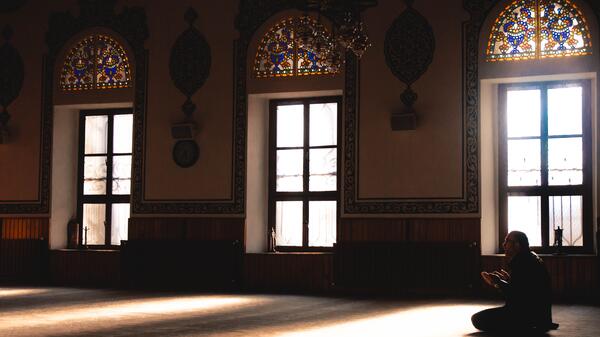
(448, 268)
(573, 277)
(296, 272)
(99, 268)
(186, 229)
(24, 249)
(24, 228)
(412, 230)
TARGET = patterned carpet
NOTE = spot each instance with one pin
(27, 312)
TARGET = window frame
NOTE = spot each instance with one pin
(305, 195)
(108, 198)
(544, 191)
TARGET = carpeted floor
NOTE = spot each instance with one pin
(28, 312)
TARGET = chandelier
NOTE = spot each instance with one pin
(348, 31)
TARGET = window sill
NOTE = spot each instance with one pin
(548, 255)
(292, 253)
(104, 250)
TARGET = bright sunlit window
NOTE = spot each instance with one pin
(105, 154)
(545, 162)
(303, 184)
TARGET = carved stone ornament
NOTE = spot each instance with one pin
(189, 63)
(10, 5)
(409, 46)
(11, 80)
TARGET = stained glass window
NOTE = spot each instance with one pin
(283, 52)
(96, 62)
(532, 29)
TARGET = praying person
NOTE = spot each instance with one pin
(526, 289)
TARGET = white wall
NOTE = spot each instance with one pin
(64, 174)
(64, 168)
(257, 178)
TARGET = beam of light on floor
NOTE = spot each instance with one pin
(124, 312)
(425, 321)
(21, 291)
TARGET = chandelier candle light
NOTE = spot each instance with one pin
(348, 31)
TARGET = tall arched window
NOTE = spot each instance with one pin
(96, 62)
(532, 29)
(284, 52)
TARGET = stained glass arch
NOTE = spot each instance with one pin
(283, 51)
(96, 62)
(537, 29)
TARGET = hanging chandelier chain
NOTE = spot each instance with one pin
(349, 34)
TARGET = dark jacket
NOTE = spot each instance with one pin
(528, 293)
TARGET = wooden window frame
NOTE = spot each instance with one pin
(305, 196)
(107, 199)
(544, 191)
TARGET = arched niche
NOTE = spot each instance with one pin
(130, 28)
(67, 105)
(491, 74)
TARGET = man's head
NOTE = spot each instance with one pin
(514, 243)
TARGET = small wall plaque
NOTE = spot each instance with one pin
(185, 153)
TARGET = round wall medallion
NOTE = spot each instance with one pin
(185, 153)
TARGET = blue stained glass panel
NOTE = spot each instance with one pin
(531, 29)
(563, 30)
(514, 33)
(78, 68)
(282, 53)
(112, 65)
(96, 62)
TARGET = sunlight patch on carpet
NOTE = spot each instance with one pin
(424, 321)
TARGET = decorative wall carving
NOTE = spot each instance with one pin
(189, 67)
(131, 25)
(409, 46)
(468, 203)
(11, 79)
(189, 64)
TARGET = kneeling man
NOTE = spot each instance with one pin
(526, 289)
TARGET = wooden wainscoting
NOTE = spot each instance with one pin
(182, 264)
(24, 228)
(74, 267)
(573, 276)
(186, 229)
(190, 253)
(296, 272)
(410, 230)
(407, 267)
(24, 249)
